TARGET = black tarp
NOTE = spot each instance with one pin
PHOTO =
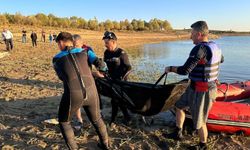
(142, 98)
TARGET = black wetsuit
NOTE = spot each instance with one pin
(71, 66)
(118, 65)
(117, 62)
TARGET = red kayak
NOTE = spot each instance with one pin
(233, 91)
(229, 117)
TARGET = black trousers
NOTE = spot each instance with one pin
(34, 43)
(9, 44)
(115, 106)
(70, 103)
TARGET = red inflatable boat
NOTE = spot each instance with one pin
(227, 114)
(233, 91)
(229, 117)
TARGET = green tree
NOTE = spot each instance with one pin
(101, 26)
(108, 24)
(3, 20)
(42, 19)
(130, 27)
(10, 18)
(82, 23)
(74, 22)
(141, 25)
(55, 22)
(18, 18)
(122, 25)
(116, 25)
(65, 22)
(154, 25)
(30, 20)
(51, 19)
(134, 24)
(167, 26)
(93, 24)
(146, 25)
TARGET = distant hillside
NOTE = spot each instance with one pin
(229, 32)
(220, 32)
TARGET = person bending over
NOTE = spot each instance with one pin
(71, 66)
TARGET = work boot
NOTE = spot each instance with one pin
(127, 120)
(176, 135)
(200, 146)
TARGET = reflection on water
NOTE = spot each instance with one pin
(156, 51)
(149, 62)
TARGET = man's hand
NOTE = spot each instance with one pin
(98, 74)
(171, 69)
(115, 60)
(167, 69)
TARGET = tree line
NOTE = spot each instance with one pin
(41, 19)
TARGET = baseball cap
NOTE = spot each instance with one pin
(109, 35)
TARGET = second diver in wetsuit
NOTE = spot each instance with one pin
(118, 66)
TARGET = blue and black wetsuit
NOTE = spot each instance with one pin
(71, 66)
(94, 60)
(99, 64)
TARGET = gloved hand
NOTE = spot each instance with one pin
(171, 69)
(102, 67)
(167, 69)
(116, 60)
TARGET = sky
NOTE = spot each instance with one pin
(219, 14)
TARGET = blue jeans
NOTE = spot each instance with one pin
(23, 39)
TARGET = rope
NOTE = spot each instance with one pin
(225, 93)
(156, 83)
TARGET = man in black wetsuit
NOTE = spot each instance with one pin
(99, 64)
(118, 65)
(71, 66)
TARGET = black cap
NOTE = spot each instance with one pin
(109, 35)
(64, 36)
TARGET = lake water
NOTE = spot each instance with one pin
(153, 58)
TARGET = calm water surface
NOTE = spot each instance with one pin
(152, 58)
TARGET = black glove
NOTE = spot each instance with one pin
(116, 60)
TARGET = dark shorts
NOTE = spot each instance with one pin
(199, 104)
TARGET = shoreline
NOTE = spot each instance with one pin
(126, 39)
